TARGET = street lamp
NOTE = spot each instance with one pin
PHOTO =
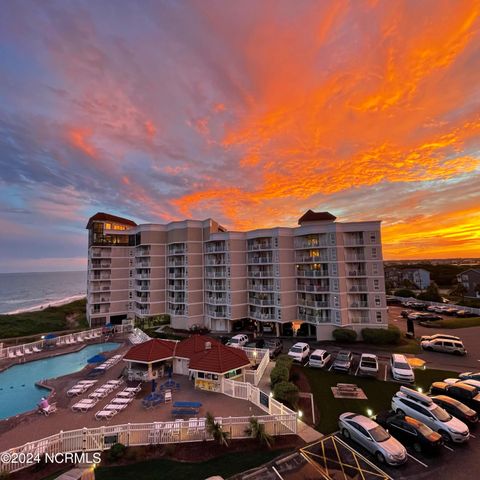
(369, 412)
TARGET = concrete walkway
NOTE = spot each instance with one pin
(304, 431)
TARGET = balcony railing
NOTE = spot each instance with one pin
(215, 287)
(176, 311)
(311, 243)
(314, 318)
(261, 316)
(261, 288)
(312, 273)
(313, 303)
(142, 263)
(260, 260)
(355, 258)
(356, 273)
(358, 288)
(354, 241)
(176, 287)
(313, 288)
(142, 275)
(215, 274)
(358, 305)
(215, 261)
(261, 302)
(261, 274)
(177, 299)
(259, 246)
(177, 250)
(99, 310)
(216, 314)
(215, 248)
(359, 319)
(216, 300)
(100, 277)
(176, 275)
(178, 262)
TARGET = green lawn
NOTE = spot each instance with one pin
(164, 469)
(456, 322)
(48, 320)
(379, 393)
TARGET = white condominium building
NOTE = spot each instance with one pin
(324, 274)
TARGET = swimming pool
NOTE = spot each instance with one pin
(18, 392)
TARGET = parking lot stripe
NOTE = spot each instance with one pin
(472, 435)
(417, 460)
(385, 377)
(356, 371)
(276, 471)
(330, 367)
(448, 448)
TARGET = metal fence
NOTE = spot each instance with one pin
(437, 304)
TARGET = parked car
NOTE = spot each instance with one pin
(319, 358)
(467, 394)
(410, 431)
(239, 340)
(343, 361)
(444, 346)
(368, 365)
(401, 369)
(465, 314)
(257, 343)
(299, 352)
(468, 381)
(470, 376)
(451, 311)
(421, 407)
(370, 435)
(457, 409)
(274, 345)
(267, 327)
(443, 336)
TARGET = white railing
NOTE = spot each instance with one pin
(446, 305)
(154, 433)
(26, 349)
(259, 357)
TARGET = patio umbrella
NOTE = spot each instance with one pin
(50, 336)
(96, 359)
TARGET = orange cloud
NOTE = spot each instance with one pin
(81, 138)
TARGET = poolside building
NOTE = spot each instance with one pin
(205, 360)
(318, 276)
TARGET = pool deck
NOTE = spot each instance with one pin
(24, 428)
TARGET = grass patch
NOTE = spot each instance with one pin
(165, 469)
(407, 345)
(379, 393)
(454, 323)
(50, 319)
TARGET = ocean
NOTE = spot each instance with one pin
(26, 291)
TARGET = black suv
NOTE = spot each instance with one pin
(467, 394)
(408, 430)
(457, 409)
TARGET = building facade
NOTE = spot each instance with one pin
(324, 274)
(470, 279)
(418, 278)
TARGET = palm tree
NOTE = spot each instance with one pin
(216, 430)
(257, 430)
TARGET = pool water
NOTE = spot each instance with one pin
(18, 392)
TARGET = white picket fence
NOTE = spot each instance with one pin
(437, 304)
(137, 434)
(25, 349)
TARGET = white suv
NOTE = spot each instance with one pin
(238, 341)
(401, 370)
(319, 358)
(299, 352)
(417, 405)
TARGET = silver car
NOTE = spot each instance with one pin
(370, 435)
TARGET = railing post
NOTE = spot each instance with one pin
(128, 434)
(84, 439)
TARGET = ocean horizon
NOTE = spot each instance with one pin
(25, 291)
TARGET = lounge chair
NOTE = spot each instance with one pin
(19, 353)
(84, 405)
(11, 354)
(116, 382)
(79, 338)
(105, 414)
(52, 408)
(122, 401)
(87, 382)
(116, 406)
(36, 349)
(27, 351)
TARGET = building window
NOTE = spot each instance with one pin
(375, 268)
(376, 284)
(378, 316)
(377, 302)
(374, 252)
(373, 237)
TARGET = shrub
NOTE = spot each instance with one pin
(344, 335)
(404, 292)
(117, 450)
(285, 361)
(278, 374)
(286, 392)
(382, 336)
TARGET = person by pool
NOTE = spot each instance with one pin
(43, 405)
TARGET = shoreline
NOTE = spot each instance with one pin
(43, 306)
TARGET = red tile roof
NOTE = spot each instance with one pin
(218, 358)
(311, 216)
(107, 217)
(151, 351)
(190, 346)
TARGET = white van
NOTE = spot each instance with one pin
(239, 340)
(319, 358)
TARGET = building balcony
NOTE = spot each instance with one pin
(103, 276)
(172, 310)
(142, 298)
(355, 258)
(177, 249)
(142, 311)
(261, 316)
(100, 287)
(260, 273)
(176, 287)
(218, 273)
(263, 244)
(264, 259)
(216, 247)
(216, 287)
(143, 251)
(312, 288)
(354, 241)
(215, 260)
(358, 304)
(312, 273)
(99, 298)
(310, 242)
(359, 319)
(176, 298)
(100, 309)
(262, 302)
(142, 263)
(358, 288)
(101, 265)
(311, 258)
(356, 273)
(177, 273)
(216, 300)
(315, 319)
(216, 313)
(176, 262)
(268, 287)
(142, 275)
(313, 303)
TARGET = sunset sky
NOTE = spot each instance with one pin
(249, 112)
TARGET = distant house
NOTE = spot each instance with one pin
(471, 281)
(397, 277)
